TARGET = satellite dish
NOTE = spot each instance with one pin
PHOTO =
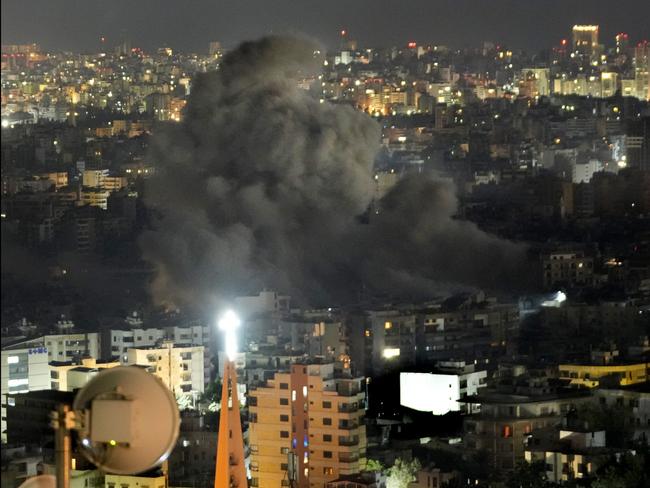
(42, 481)
(130, 420)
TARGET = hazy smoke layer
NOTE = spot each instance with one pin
(262, 186)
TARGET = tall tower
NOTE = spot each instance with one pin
(585, 41)
(230, 471)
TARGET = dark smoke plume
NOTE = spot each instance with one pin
(262, 186)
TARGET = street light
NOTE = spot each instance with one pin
(228, 323)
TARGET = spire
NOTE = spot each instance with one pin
(230, 471)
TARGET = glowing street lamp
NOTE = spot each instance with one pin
(228, 323)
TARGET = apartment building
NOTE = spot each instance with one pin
(505, 421)
(179, 367)
(306, 427)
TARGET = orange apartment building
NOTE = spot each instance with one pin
(306, 427)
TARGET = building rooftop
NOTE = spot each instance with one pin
(53, 395)
(505, 398)
(84, 369)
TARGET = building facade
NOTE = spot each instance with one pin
(24, 368)
(505, 421)
(306, 427)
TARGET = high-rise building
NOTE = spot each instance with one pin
(642, 70)
(306, 427)
(585, 40)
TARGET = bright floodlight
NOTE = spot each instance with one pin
(560, 297)
(229, 323)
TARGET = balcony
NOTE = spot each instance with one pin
(344, 389)
(348, 425)
(348, 407)
(345, 457)
(348, 441)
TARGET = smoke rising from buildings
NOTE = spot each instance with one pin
(262, 185)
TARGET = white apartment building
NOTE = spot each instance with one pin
(66, 347)
(440, 392)
(181, 368)
(119, 341)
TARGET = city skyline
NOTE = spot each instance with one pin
(459, 24)
(384, 247)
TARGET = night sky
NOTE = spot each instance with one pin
(191, 24)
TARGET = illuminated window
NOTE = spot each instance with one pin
(391, 352)
(507, 431)
(388, 325)
(328, 471)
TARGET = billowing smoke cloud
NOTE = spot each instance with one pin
(262, 186)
